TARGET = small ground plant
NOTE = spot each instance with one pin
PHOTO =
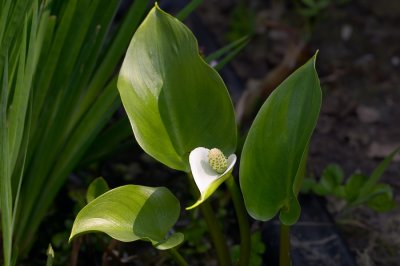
(182, 115)
(359, 189)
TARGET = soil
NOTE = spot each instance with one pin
(359, 68)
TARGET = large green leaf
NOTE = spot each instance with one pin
(175, 101)
(277, 141)
(130, 213)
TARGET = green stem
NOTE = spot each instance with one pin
(217, 237)
(177, 257)
(221, 247)
(284, 246)
(241, 214)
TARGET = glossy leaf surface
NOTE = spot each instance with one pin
(175, 101)
(130, 213)
(273, 151)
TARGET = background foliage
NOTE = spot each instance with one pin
(58, 93)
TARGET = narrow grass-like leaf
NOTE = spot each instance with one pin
(275, 145)
(18, 174)
(42, 160)
(5, 175)
(79, 141)
(16, 91)
(232, 54)
(226, 49)
(19, 95)
(112, 140)
(49, 66)
(19, 107)
(377, 173)
(114, 53)
(228, 52)
(12, 13)
(53, 140)
(188, 9)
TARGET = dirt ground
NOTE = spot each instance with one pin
(359, 69)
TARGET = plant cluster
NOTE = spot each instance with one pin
(58, 91)
(182, 115)
(359, 189)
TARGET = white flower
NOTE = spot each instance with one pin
(206, 177)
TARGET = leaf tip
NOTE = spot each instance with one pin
(71, 237)
(314, 58)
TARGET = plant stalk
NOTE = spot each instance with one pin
(241, 214)
(178, 257)
(218, 239)
(284, 246)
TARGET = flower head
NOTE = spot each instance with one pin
(217, 160)
(210, 168)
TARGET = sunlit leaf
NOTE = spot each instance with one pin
(130, 213)
(175, 101)
(274, 148)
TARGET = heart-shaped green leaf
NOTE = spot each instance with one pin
(275, 145)
(130, 213)
(175, 101)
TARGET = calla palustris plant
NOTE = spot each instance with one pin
(182, 115)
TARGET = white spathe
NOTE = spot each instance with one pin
(207, 179)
